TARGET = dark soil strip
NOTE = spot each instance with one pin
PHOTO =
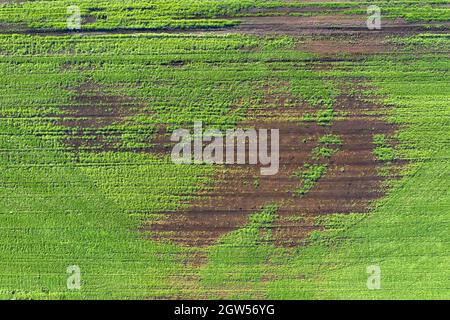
(333, 24)
(328, 25)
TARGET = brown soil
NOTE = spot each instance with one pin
(351, 183)
(323, 25)
(89, 19)
(349, 186)
(91, 112)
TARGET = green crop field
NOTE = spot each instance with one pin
(87, 179)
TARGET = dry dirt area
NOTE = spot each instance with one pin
(350, 185)
(322, 25)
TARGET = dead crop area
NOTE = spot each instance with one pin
(338, 189)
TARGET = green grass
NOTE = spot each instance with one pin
(54, 214)
(382, 150)
(61, 208)
(309, 175)
(330, 140)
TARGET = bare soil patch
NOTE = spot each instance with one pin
(350, 185)
(92, 111)
(333, 24)
(286, 22)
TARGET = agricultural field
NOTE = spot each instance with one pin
(92, 205)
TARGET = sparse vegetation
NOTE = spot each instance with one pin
(309, 175)
(382, 151)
